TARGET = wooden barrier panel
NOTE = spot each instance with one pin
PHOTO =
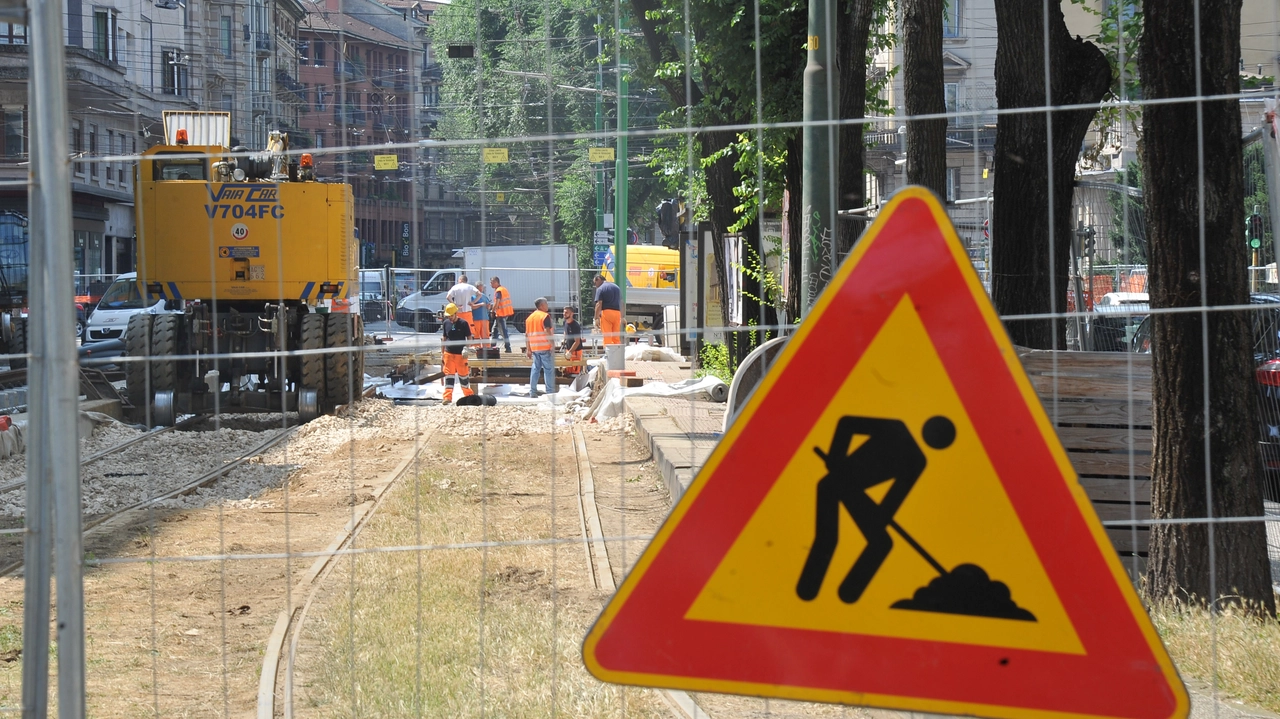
(1100, 404)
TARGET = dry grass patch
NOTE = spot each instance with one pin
(496, 632)
(1247, 656)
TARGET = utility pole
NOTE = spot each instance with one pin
(816, 170)
(599, 129)
(53, 360)
(620, 182)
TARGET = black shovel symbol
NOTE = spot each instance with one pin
(890, 454)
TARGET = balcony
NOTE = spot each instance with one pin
(349, 115)
(348, 70)
(263, 43)
(433, 72)
(285, 80)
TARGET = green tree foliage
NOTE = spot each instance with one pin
(535, 68)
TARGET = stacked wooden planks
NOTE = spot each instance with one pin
(1100, 403)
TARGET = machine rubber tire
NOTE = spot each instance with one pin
(358, 341)
(338, 365)
(19, 344)
(137, 343)
(312, 338)
(164, 343)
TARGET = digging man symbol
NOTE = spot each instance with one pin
(889, 453)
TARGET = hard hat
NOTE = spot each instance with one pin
(631, 328)
(451, 309)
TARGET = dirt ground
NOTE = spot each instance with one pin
(174, 632)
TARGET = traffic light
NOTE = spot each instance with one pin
(1254, 230)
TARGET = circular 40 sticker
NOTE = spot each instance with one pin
(239, 231)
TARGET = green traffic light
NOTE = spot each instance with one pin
(1255, 243)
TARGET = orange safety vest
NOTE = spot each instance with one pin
(537, 337)
(502, 303)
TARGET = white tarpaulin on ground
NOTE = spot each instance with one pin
(645, 353)
(710, 389)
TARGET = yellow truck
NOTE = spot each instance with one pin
(262, 262)
(653, 281)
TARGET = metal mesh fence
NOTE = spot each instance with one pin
(288, 292)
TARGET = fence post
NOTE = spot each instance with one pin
(54, 360)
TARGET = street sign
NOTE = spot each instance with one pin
(601, 154)
(386, 162)
(600, 255)
(891, 520)
(602, 237)
(493, 155)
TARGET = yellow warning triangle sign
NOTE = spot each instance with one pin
(892, 521)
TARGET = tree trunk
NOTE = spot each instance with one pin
(923, 93)
(794, 172)
(1188, 220)
(1029, 252)
(851, 58)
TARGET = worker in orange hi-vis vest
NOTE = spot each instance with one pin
(539, 334)
(608, 310)
(480, 319)
(455, 334)
(502, 309)
(572, 344)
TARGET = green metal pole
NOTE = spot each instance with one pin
(620, 181)
(817, 222)
(599, 129)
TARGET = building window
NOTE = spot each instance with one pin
(104, 34)
(15, 136)
(304, 52)
(951, 96)
(93, 152)
(175, 72)
(77, 145)
(120, 165)
(953, 184)
(320, 96)
(149, 55)
(319, 139)
(224, 34)
(111, 143)
(951, 18)
(319, 53)
(13, 34)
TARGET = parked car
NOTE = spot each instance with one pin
(1265, 321)
(1118, 315)
(121, 301)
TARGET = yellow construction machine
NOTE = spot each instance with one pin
(255, 261)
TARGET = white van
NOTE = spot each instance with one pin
(120, 302)
(373, 295)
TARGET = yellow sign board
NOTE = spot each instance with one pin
(386, 162)
(499, 197)
(494, 155)
(601, 154)
(911, 537)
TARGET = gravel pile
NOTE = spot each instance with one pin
(148, 468)
(173, 459)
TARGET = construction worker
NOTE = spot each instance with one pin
(502, 309)
(462, 295)
(454, 336)
(608, 310)
(572, 344)
(539, 333)
(480, 318)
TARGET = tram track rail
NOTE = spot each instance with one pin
(126, 514)
(282, 643)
